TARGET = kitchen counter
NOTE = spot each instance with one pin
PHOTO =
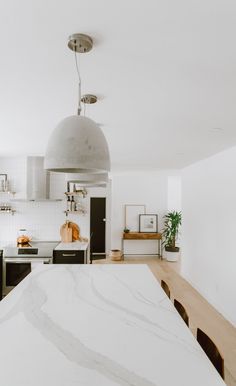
(44, 248)
(97, 325)
(75, 245)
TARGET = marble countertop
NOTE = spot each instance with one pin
(97, 325)
(75, 245)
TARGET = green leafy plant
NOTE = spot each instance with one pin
(126, 230)
(172, 222)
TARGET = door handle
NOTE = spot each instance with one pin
(104, 219)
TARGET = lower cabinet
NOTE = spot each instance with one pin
(69, 257)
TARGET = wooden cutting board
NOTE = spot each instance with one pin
(69, 232)
(66, 233)
(75, 231)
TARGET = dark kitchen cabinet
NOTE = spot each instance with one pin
(69, 257)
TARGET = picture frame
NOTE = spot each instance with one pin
(148, 223)
(132, 212)
(3, 182)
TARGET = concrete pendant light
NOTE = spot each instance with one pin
(77, 144)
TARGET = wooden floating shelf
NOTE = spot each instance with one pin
(7, 192)
(80, 193)
(74, 212)
(141, 236)
(12, 211)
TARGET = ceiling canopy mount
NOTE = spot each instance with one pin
(80, 43)
(89, 99)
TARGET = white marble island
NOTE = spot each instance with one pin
(101, 325)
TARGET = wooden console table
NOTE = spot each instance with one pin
(143, 236)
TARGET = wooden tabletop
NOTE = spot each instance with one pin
(141, 236)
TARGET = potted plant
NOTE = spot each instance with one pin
(126, 230)
(172, 222)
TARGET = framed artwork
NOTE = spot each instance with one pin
(148, 223)
(132, 212)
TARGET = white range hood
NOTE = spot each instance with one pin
(37, 181)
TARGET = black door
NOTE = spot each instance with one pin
(98, 227)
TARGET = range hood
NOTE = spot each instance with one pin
(37, 180)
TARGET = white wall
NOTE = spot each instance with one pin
(209, 230)
(149, 188)
(42, 219)
(174, 196)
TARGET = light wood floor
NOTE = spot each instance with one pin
(201, 313)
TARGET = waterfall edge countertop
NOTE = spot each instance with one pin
(75, 245)
(101, 325)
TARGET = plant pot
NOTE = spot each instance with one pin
(116, 255)
(171, 249)
(172, 256)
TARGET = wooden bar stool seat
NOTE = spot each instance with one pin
(181, 310)
(211, 351)
(165, 287)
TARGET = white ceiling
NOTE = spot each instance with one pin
(165, 72)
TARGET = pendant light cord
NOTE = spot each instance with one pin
(79, 90)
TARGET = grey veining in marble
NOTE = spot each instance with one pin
(97, 325)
